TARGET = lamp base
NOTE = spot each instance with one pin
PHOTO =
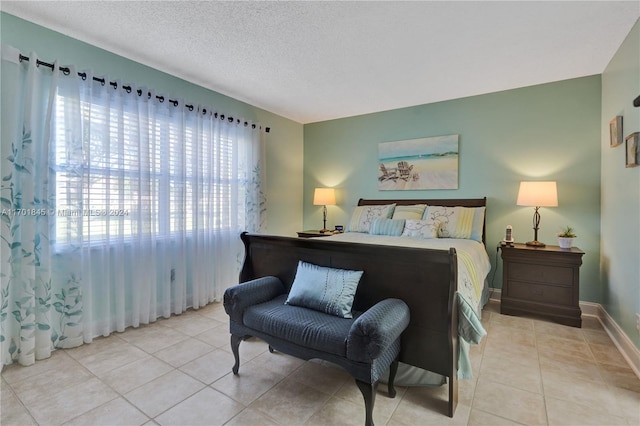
(324, 231)
(536, 244)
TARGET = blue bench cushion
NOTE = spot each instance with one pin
(302, 326)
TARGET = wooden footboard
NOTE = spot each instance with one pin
(425, 279)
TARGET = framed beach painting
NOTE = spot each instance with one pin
(426, 163)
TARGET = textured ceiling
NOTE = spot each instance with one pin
(314, 61)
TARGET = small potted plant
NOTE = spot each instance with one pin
(565, 237)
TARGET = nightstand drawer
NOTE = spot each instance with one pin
(550, 275)
(540, 293)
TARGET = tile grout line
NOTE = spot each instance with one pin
(542, 388)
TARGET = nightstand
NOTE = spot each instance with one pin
(542, 281)
(315, 234)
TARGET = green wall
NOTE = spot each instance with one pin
(284, 142)
(620, 265)
(545, 132)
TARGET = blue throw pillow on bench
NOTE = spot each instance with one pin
(324, 289)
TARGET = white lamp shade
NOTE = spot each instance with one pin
(538, 194)
(324, 197)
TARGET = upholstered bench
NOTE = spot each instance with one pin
(365, 344)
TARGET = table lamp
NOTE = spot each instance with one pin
(324, 197)
(537, 194)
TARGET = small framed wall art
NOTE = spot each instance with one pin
(631, 149)
(615, 131)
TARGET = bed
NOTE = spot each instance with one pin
(443, 280)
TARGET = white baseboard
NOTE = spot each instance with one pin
(495, 295)
(626, 347)
(591, 309)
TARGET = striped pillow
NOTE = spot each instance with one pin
(415, 211)
(457, 222)
(383, 226)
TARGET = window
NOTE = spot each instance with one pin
(142, 168)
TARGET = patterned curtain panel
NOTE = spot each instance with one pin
(118, 206)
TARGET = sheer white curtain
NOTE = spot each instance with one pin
(146, 201)
(27, 289)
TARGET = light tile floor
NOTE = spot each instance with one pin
(178, 372)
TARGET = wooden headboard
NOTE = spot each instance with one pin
(452, 202)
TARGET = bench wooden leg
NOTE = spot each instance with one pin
(393, 369)
(235, 348)
(453, 394)
(369, 394)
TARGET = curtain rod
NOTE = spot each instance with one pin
(67, 71)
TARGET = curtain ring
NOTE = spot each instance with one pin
(127, 88)
(160, 98)
(204, 111)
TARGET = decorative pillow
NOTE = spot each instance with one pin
(324, 289)
(363, 216)
(420, 229)
(457, 222)
(415, 211)
(384, 226)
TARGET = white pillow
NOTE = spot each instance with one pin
(362, 216)
(420, 229)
